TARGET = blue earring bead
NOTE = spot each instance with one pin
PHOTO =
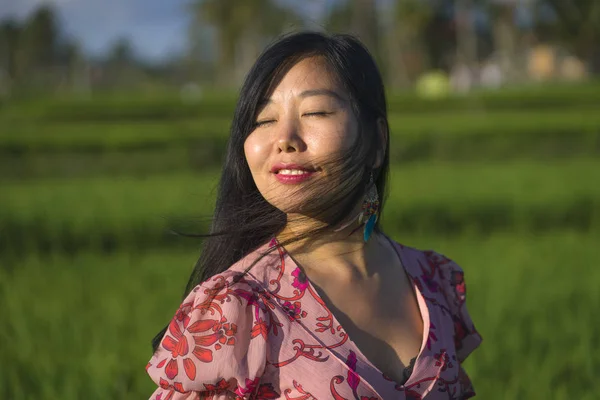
(369, 227)
(370, 207)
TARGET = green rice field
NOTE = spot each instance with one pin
(505, 184)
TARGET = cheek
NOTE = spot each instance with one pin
(334, 138)
(255, 153)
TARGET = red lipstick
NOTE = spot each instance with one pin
(291, 179)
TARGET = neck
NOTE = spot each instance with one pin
(342, 254)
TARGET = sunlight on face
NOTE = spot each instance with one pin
(307, 120)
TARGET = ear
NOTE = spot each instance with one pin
(382, 131)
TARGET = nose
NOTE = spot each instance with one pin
(287, 146)
(288, 138)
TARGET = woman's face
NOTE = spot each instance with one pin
(306, 121)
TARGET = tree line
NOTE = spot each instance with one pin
(407, 37)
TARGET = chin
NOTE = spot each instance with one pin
(292, 200)
(288, 207)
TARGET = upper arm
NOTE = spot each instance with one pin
(209, 348)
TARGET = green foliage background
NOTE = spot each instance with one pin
(506, 184)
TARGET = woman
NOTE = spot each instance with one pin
(298, 293)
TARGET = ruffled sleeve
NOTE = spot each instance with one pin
(466, 337)
(214, 347)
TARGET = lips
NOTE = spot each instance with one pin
(279, 166)
(292, 179)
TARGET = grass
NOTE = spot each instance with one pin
(31, 135)
(434, 198)
(503, 183)
(165, 105)
(79, 327)
(33, 150)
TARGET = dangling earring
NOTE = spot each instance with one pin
(369, 209)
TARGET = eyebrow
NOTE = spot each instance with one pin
(321, 92)
(312, 92)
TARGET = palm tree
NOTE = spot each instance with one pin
(39, 42)
(409, 20)
(577, 26)
(241, 26)
(9, 38)
(466, 39)
(505, 34)
(359, 17)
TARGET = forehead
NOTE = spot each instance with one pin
(309, 73)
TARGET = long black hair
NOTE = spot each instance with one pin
(243, 220)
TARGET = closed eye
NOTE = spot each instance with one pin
(318, 113)
(258, 124)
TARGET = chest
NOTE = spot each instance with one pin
(319, 331)
(385, 323)
(313, 353)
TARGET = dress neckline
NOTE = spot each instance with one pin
(407, 372)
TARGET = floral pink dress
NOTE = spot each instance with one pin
(271, 336)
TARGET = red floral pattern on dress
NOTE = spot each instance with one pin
(431, 337)
(269, 335)
(250, 387)
(294, 310)
(221, 386)
(353, 378)
(169, 390)
(300, 279)
(457, 281)
(266, 391)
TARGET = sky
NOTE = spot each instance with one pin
(156, 28)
